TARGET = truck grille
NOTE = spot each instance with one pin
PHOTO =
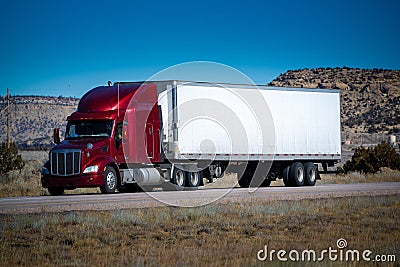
(65, 162)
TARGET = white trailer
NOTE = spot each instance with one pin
(292, 129)
(268, 132)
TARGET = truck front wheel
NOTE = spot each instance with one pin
(110, 181)
(56, 191)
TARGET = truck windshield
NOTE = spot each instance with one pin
(82, 129)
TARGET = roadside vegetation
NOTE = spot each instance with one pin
(10, 160)
(212, 235)
(384, 175)
(372, 160)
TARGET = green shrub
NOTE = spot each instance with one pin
(9, 158)
(371, 160)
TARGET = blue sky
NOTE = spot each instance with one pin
(67, 47)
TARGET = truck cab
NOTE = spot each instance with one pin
(109, 124)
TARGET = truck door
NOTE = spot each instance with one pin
(119, 140)
(149, 139)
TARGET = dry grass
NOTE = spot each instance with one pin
(24, 183)
(385, 175)
(212, 235)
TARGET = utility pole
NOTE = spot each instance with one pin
(8, 119)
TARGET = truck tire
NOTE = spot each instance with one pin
(247, 175)
(110, 181)
(193, 179)
(255, 175)
(219, 172)
(296, 174)
(310, 174)
(285, 176)
(56, 191)
(179, 178)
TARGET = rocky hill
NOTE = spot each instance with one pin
(370, 98)
(33, 119)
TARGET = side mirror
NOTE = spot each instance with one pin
(56, 136)
(118, 140)
(118, 134)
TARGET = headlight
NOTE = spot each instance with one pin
(91, 169)
(45, 170)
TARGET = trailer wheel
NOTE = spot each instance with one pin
(193, 178)
(56, 191)
(296, 174)
(285, 176)
(219, 171)
(247, 176)
(310, 174)
(179, 178)
(253, 176)
(110, 181)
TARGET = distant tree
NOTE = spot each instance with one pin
(384, 155)
(371, 160)
(359, 161)
(9, 158)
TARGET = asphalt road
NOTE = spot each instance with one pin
(188, 198)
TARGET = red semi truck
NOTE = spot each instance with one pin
(173, 134)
